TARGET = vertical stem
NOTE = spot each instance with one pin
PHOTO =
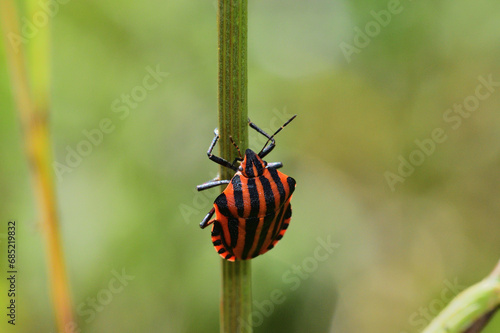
(31, 93)
(236, 304)
(38, 62)
(15, 60)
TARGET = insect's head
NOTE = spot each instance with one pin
(252, 165)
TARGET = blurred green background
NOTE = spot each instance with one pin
(130, 204)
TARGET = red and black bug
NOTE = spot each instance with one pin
(253, 212)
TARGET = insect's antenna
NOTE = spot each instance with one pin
(238, 148)
(271, 138)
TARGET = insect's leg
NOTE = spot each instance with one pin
(275, 165)
(258, 129)
(211, 183)
(268, 148)
(206, 220)
(217, 159)
(261, 131)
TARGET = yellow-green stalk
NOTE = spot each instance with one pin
(29, 68)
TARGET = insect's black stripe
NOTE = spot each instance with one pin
(232, 225)
(288, 212)
(291, 184)
(268, 221)
(268, 195)
(238, 195)
(249, 168)
(279, 184)
(278, 223)
(254, 197)
(258, 166)
(284, 226)
(216, 231)
(250, 229)
(286, 216)
(221, 203)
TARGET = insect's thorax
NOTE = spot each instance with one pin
(254, 197)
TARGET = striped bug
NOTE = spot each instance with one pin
(254, 210)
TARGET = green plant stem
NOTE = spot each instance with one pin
(471, 309)
(31, 94)
(236, 303)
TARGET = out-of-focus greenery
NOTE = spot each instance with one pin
(130, 203)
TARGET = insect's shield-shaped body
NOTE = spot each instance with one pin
(253, 212)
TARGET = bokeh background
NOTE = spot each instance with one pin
(130, 204)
